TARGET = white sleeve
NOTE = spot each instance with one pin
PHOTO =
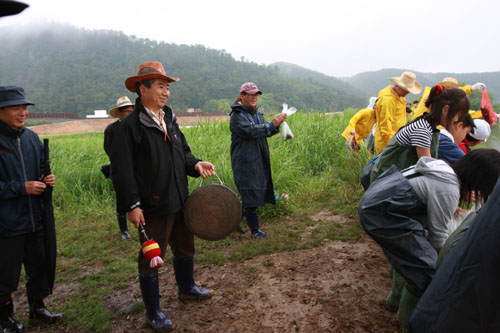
(440, 209)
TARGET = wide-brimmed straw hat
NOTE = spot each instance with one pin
(120, 103)
(449, 82)
(408, 81)
(148, 70)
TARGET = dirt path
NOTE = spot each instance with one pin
(98, 125)
(339, 287)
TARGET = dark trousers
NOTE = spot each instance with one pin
(170, 230)
(122, 221)
(29, 250)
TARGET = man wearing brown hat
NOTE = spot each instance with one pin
(391, 108)
(151, 160)
(123, 107)
(22, 227)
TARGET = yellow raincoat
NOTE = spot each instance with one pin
(476, 114)
(362, 123)
(421, 106)
(391, 115)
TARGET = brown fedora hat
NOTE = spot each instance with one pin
(148, 70)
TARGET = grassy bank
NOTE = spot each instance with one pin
(313, 169)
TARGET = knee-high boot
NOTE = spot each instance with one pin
(406, 306)
(122, 224)
(398, 282)
(183, 269)
(150, 291)
(8, 321)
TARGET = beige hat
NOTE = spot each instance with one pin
(407, 81)
(449, 82)
(120, 102)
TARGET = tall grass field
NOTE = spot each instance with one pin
(313, 169)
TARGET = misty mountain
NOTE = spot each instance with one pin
(67, 69)
(305, 74)
(372, 82)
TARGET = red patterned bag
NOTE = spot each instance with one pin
(488, 114)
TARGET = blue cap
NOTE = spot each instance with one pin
(12, 95)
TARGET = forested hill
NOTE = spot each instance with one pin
(296, 71)
(67, 69)
(372, 82)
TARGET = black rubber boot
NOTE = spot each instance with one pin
(38, 312)
(8, 321)
(253, 223)
(150, 291)
(122, 223)
(188, 290)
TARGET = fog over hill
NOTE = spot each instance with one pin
(370, 83)
(67, 69)
(73, 70)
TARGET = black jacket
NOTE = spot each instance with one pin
(250, 156)
(108, 135)
(21, 162)
(147, 170)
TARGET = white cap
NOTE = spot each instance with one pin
(482, 130)
(371, 103)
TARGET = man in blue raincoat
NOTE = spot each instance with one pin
(250, 154)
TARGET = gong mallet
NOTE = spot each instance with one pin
(151, 250)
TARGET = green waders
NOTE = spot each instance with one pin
(406, 306)
(394, 297)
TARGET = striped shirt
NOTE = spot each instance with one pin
(418, 133)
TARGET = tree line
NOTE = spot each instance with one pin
(72, 70)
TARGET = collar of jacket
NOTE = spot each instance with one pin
(146, 119)
(7, 130)
(237, 106)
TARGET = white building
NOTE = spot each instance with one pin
(98, 114)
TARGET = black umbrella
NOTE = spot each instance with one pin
(48, 222)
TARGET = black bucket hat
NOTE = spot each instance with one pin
(12, 95)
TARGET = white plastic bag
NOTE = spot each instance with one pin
(287, 132)
(285, 129)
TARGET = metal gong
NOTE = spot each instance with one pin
(212, 211)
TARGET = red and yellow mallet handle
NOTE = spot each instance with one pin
(151, 250)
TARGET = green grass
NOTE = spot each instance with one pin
(313, 169)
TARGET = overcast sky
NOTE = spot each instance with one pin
(338, 38)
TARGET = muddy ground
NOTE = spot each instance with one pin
(338, 287)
